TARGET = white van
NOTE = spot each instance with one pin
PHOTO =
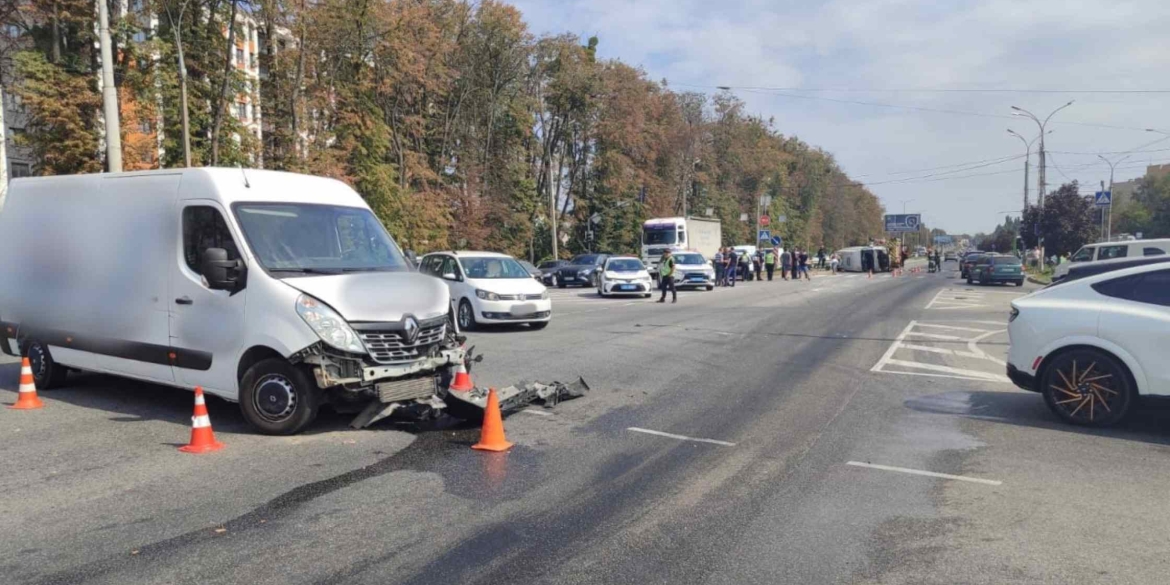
(1113, 250)
(275, 290)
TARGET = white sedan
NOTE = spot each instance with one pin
(487, 288)
(624, 275)
(1092, 346)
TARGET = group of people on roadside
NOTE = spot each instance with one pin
(792, 264)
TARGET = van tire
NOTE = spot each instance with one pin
(466, 316)
(282, 385)
(47, 374)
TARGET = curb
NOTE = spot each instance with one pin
(1039, 282)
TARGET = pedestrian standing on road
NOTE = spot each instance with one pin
(666, 277)
(732, 265)
(770, 262)
(785, 264)
(718, 262)
(821, 258)
(804, 265)
(758, 264)
(834, 261)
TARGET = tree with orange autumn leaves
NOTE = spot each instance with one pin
(462, 129)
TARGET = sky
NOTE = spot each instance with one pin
(850, 76)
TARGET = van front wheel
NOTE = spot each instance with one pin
(278, 398)
(46, 373)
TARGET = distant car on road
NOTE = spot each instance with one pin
(1093, 346)
(967, 262)
(487, 287)
(692, 270)
(624, 275)
(581, 270)
(532, 270)
(950, 257)
(548, 271)
(996, 268)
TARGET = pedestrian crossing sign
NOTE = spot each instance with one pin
(765, 235)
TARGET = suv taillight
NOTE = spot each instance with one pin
(1012, 316)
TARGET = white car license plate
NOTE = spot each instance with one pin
(627, 287)
(524, 310)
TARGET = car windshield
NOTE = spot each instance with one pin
(689, 259)
(625, 265)
(288, 237)
(492, 267)
(658, 235)
(585, 259)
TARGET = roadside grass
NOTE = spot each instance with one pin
(1041, 276)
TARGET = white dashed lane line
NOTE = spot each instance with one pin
(925, 473)
(680, 437)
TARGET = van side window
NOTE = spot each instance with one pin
(1110, 252)
(448, 266)
(1083, 255)
(1153, 252)
(203, 228)
(431, 265)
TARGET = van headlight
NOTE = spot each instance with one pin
(487, 296)
(544, 295)
(328, 325)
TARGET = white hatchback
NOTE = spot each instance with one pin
(1092, 346)
(624, 275)
(487, 287)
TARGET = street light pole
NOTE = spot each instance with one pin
(1107, 230)
(109, 92)
(1027, 160)
(1022, 112)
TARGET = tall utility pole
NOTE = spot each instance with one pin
(109, 92)
(1027, 161)
(552, 214)
(1022, 112)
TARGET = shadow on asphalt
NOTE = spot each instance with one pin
(1148, 420)
(132, 401)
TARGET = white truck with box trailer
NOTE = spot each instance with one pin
(697, 234)
(275, 290)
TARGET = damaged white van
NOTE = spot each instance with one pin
(279, 291)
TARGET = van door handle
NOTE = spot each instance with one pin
(184, 301)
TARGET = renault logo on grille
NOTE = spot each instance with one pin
(410, 330)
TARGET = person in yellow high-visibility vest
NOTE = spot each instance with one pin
(666, 277)
(770, 262)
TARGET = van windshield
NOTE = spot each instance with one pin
(309, 238)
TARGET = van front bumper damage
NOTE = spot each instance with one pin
(379, 390)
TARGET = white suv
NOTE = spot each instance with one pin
(1092, 346)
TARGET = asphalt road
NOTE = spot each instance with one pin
(792, 392)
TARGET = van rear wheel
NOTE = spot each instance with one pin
(278, 398)
(46, 373)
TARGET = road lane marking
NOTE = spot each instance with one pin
(915, 347)
(955, 328)
(537, 412)
(971, 346)
(935, 336)
(680, 437)
(925, 473)
(893, 348)
(987, 376)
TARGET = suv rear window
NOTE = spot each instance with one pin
(1149, 287)
(1150, 251)
(1006, 261)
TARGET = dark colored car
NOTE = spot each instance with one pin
(967, 262)
(533, 270)
(548, 271)
(581, 271)
(996, 268)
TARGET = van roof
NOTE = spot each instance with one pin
(230, 185)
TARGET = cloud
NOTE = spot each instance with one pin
(905, 44)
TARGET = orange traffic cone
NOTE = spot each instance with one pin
(27, 398)
(462, 379)
(202, 439)
(491, 437)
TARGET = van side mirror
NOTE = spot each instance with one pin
(221, 273)
(450, 276)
